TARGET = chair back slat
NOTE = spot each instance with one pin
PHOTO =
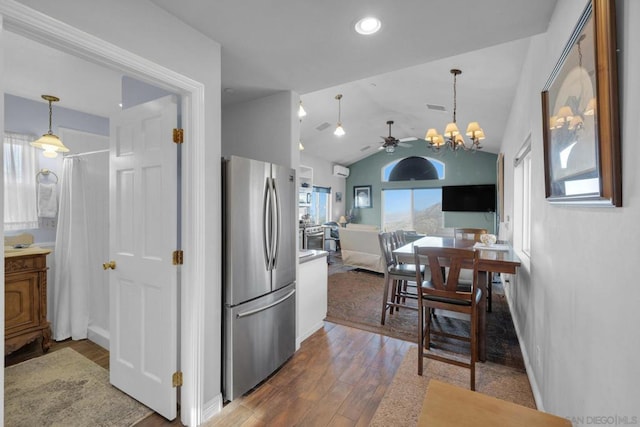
(469, 233)
(387, 246)
(451, 260)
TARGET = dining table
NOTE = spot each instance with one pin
(497, 258)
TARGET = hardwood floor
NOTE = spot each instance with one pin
(337, 378)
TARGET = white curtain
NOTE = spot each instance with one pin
(20, 159)
(81, 239)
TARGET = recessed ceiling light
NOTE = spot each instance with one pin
(368, 25)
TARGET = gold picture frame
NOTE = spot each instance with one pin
(581, 132)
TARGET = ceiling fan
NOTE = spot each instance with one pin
(390, 142)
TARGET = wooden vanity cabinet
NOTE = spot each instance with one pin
(25, 301)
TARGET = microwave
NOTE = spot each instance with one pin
(304, 197)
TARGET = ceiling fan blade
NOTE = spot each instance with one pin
(410, 138)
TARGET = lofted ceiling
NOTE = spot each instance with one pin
(310, 47)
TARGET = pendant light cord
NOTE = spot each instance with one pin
(50, 115)
(454, 97)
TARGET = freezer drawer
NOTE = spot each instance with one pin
(259, 337)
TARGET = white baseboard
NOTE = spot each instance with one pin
(99, 336)
(307, 334)
(211, 408)
(527, 364)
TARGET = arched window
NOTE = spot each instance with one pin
(413, 168)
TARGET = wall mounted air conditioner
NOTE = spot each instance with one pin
(340, 171)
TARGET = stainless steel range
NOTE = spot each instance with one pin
(312, 236)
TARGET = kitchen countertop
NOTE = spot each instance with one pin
(11, 252)
(306, 255)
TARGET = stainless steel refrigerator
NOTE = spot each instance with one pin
(259, 271)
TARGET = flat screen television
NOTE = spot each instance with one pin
(469, 198)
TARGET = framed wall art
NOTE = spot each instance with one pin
(580, 115)
(362, 196)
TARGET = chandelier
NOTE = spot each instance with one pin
(452, 136)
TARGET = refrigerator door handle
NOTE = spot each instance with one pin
(266, 307)
(266, 224)
(276, 223)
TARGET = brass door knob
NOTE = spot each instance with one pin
(109, 265)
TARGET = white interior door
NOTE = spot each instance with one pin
(143, 235)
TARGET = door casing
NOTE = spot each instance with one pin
(30, 23)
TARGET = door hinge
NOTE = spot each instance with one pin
(178, 257)
(176, 379)
(178, 135)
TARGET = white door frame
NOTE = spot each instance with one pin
(28, 22)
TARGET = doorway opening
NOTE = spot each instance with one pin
(31, 23)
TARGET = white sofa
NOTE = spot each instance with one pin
(360, 247)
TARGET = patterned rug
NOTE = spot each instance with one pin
(64, 388)
(402, 403)
(355, 299)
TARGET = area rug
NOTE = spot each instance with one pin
(355, 299)
(402, 403)
(64, 388)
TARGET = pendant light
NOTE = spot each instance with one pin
(339, 129)
(49, 142)
(301, 111)
(454, 139)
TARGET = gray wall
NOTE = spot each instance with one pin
(264, 129)
(26, 116)
(460, 169)
(575, 301)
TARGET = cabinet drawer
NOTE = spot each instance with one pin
(21, 303)
(24, 263)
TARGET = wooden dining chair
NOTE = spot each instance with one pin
(469, 233)
(445, 293)
(396, 278)
(474, 234)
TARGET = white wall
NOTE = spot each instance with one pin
(146, 30)
(576, 304)
(263, 129)
(323, 176)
